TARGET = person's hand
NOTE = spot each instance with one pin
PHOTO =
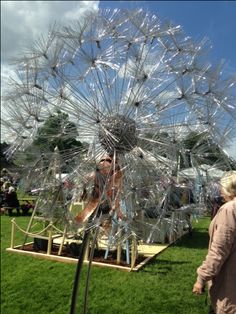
(198, 288)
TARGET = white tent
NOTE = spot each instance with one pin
(64, 176)
(205, 171)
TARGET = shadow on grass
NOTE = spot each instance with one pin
(164, 266)
(198, 240)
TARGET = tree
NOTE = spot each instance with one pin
(4, 162)
(203, 148)
(57, 131)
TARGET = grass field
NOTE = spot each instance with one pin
(34, 286)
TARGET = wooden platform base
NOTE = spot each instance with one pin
(147, 252)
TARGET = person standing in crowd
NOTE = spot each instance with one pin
(6, 175)
(214, 199)
(11, 201)
(219, 267)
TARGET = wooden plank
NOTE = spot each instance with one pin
(150, 249)
(63, 259)
(43, 255)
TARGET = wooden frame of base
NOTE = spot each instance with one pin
(148, 251)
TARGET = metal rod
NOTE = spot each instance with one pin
(78, 271)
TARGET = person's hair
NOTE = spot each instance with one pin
(228, 183)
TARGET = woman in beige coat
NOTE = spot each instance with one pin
(219, 267)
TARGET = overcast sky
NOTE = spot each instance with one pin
(23, 21)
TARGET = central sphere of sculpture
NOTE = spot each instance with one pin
(118, 133)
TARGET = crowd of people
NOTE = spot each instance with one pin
(9, 201)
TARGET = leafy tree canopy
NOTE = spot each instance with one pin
(206, 151)
(57, 131)
(4, 162)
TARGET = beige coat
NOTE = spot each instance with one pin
(219, 267)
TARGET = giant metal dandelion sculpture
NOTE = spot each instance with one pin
(134, 87)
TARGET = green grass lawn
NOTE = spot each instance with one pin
(30, 285)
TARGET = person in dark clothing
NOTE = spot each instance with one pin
(213, 198)
(11, 201)
(180, 195)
